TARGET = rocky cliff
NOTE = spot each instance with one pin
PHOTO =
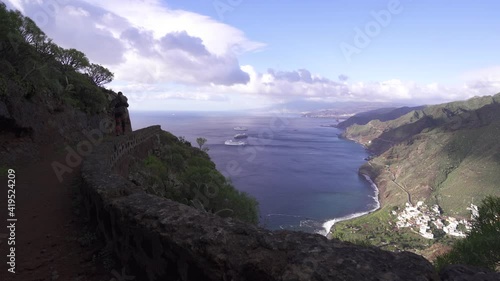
(26, 125)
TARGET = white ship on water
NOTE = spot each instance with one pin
(232, 142)
(240, 128)
(241, 136)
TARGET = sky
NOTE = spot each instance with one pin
(241, 54)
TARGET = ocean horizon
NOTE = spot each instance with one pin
(302, 174)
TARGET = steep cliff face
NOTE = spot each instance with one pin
(48, 94)
(42, 121)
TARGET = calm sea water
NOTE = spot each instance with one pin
(304, 177)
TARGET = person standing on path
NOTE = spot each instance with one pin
(119, 106)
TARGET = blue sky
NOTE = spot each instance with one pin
(239, 54)
(428, 40)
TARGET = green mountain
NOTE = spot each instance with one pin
(382, 114)
(447, 154)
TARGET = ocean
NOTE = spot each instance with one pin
(302, 174)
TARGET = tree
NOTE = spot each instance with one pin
(48, 48)
(10, 36)
(482, 246)
(99, 74)
(31, 33)
(35, 64)
(438, 233)
(72, 58)
(489, 216)
(201, 141)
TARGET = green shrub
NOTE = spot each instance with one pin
(154, 164)
(189, 176)
(482, 246)
(83, 93)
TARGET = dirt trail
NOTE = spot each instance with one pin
(47, 230)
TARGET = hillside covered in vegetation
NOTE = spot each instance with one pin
(31, 64)
(34, 71)
(186, 174)
(382, 114)
(48, 94)
(446, 155)
(52, 101)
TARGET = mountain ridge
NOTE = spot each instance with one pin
(382, 114)
(460, 128)
(446, 155)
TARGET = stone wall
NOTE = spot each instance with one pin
(158, 239)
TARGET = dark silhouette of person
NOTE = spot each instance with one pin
(119, 105)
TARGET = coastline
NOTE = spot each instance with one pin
(329, 224)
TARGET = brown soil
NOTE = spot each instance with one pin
(435, 251)
(48, 243)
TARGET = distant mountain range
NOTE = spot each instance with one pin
(382, 114)
(328, 109)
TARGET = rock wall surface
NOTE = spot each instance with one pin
(158, 239)
(27, 125)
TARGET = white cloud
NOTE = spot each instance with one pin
(15, 4)
(281, 85)
(77, 12)
(164, 46)
(175, 54)
(219, 38)
(483, 80)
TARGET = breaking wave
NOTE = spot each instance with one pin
(328, 224)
